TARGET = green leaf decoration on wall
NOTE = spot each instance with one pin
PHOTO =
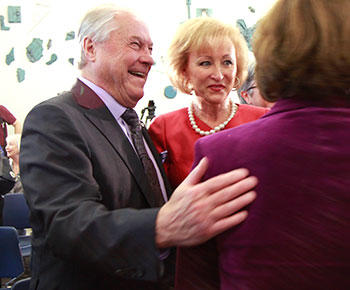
(10, 57)
(20, 75)
(35, 50)
(2, 23)
(247, 32)
(14, 14)
(52, 59)
(70, 35)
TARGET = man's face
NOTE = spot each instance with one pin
(122, 62)
(253, 97)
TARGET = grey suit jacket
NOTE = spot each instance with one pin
(92, 211)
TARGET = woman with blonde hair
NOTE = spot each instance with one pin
(208, 59)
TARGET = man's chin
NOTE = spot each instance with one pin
(135, 99)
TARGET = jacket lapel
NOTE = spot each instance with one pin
(99, 115)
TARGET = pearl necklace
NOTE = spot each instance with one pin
(217, 128)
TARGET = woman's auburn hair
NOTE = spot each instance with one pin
(302, 49)
(199, 33)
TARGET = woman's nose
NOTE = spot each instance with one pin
(217, 74)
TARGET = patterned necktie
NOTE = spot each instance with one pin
(131, 118)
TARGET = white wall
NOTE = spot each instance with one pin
(52, 19)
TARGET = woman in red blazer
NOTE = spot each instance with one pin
(208, 60)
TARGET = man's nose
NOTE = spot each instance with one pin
(147, 58)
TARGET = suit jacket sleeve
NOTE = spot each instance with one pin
(85, 206)
(7, 116)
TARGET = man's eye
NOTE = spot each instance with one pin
(135, 44)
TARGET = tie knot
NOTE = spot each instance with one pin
(131, 118)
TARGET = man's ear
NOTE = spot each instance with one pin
(89, 49)
(245, 96)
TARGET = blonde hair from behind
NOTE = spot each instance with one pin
(198, 33)
(302, 49)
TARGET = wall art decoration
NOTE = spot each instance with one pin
(11, 56)
(70, 35)
(35, 50)
(14, 14)
(2, 23)
(52, 59)
(20, 75)
(247, 32)
(170, 92)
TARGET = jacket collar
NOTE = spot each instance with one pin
(288, 104)
(85, 96)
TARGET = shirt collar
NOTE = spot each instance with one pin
(113, 106)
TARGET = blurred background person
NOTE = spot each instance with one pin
(12, 149)
(249, 92)
(297, 233)
(6, 118)
(208, 59)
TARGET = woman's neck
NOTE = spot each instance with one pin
(212, 114)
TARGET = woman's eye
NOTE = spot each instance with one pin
(204, 63)
(228, 62)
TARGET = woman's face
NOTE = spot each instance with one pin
(12, 149)
(212, 71)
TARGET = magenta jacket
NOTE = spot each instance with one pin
(297, 234)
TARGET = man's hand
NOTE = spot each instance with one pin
(197, 211)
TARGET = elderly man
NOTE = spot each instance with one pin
(94, 182)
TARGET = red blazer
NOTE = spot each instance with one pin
(173, 134)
